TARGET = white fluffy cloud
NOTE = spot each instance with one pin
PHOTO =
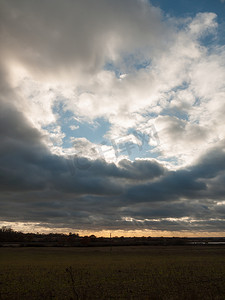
(58, 40)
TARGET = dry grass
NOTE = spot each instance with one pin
(125, 273)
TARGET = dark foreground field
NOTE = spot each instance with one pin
(181, 272)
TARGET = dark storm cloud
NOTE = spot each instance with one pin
(211, 164)
(24, 159)
(137, 170)
(37, 186)
(173, 186)
(27, 164)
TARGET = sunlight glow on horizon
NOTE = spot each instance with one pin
(37, 228)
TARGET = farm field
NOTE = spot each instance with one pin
(160, 272)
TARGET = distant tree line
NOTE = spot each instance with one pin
(10, 237)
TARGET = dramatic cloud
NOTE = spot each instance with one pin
(111, 117)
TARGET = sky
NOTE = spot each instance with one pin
(112, 117)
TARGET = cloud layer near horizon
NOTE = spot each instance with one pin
(127, 63)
